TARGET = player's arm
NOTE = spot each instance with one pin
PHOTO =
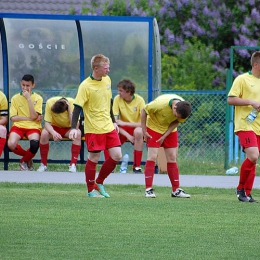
(55, 135)
(113, 118)
(171, 127)
(74, 122)
(3, 117)
(33, 114)
(75, 116)
(236, 101)
(111, 112)
(129, 124)
(143, 124)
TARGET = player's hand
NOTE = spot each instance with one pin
(56, 136)
(146, 135)
(26, 94)
(73, 134)
(120, 123)
(131, 139)
(116, 127)
(39, 118)
(161, 139)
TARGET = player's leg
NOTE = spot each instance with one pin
(14, 137)
(44, 150)
(170, 145)
(138, 149)
(153, 148)
(3, 133)
(248, 141)
(33, 136)
(113, 145)
(75, 150)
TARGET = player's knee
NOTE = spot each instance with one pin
(11, 144)
(3, 131)
(34, 146)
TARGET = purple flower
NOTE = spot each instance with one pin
(206, 11)
(234, 28)
(185, 2)
(244, 30)
(255, 15)
(172, 14)
(251, 2)
(243, 53)
(193, 12)
(164, 49)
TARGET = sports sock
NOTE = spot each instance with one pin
(90, 174)
(245, 170)
(149, 174)
(44, 150)
(173, 173)
(75, 150)
(2, 144)
(28, 156)
(19, 150)
(250, 181)
(137, 158)
(107, 167)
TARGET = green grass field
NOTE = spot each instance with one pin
(58, 221)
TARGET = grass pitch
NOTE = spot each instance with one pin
(58, 221)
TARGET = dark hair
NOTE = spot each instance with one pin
(59, 106)
(183, 108)
(127, 85)
(28, 77)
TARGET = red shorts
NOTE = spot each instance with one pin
(24, 132)
(61, 130)
(248, 139)
(100, 142)
(171, 141)
(129, 130)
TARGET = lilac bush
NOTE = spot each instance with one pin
(218, 24)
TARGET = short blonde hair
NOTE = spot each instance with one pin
(98, 60)
(255, 58)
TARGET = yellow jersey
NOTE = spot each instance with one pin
(3, 105)
(128, 111)
(94, 97)
(246, 86)
(159, 113)
(61, 120)
(20, 107)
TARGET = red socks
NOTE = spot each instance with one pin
(44, 150)
(75, 150)
(149, 174)
(107, 167)
(173, 173)
(28, 156)
(137, 158)
(2, 144)
(19, 150)
(90, 174)
(247, 176)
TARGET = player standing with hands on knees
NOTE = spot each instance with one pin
(94, 98)
(26, 115)
(245, 96)
(159, 120)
